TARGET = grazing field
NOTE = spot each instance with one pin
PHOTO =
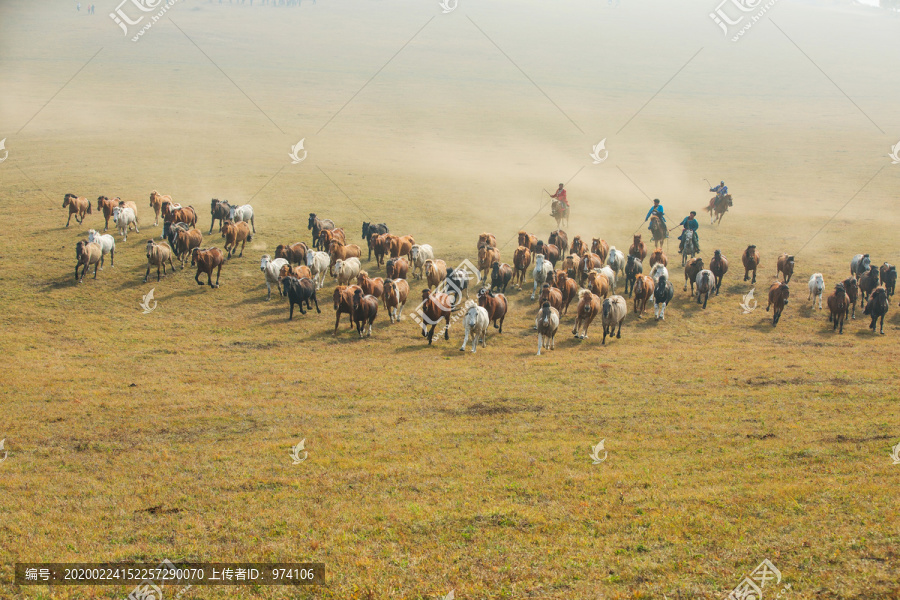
(141, 437)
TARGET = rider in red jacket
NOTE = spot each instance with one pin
(561, 195)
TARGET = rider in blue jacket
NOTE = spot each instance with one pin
(691, 224)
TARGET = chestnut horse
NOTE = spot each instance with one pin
(156, 200)
(435, 306)
(638, 248)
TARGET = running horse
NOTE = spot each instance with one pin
(560, 212)
(659, 230)
(717, 208)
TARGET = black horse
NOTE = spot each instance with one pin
(633, 268)
(299, 291)
(877, 308)
(220, 211)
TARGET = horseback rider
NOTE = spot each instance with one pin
(690, 223)
(656, 209)
(561, 196)
(721, 191)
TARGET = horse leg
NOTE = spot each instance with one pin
(218, 272)
(69, 219)
(291, 317)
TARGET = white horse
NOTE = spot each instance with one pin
(346, 271)
(476, 322)
(616, 261)
(816, 288)
(614, 310)
(318, 263)
(242, 213)
(107, 244)
(272, 268)
(123, 217)
(541, 274)
(419, 254)
(659, 270)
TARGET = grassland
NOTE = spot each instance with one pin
(729, 441)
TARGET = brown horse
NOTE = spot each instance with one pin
(598, 284)
(185, 242)
(382, 247)
(552, 295)
(851, 286)
(486, 257)
(435, 307)
(521, 262)
(719, 266)
(185, 214)
(365, 309)
(87, 254)
(579, 246)
(691, 270)
(643, 291)
(785, 267)
(156, 200)
(589, 307)
(157, 255)
(234, 234)
(293, 253)
(106, 206)
(343, 303)
(778, 297)
(550, 251)
(435, 272)
(600, 248)
(77, 206)
(370, 286)
(560, 239)
(569, 290)
(588, 262)
(868, 282)
(495, 305)
(339, 251)
(396, 291)
(638, 248)
(396, 268)
(326, 235)
(659, 230)
(207, 260)
(750, 258)
(718, 207)
(486, 239)
(400, 246)
(658, 256)
(300, 271)
(526, 240)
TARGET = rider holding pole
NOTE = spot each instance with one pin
(561, 196)
(656, 209)
(690, 223)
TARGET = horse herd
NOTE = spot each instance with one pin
(562, 272)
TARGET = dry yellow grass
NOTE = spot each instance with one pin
(729, 441)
